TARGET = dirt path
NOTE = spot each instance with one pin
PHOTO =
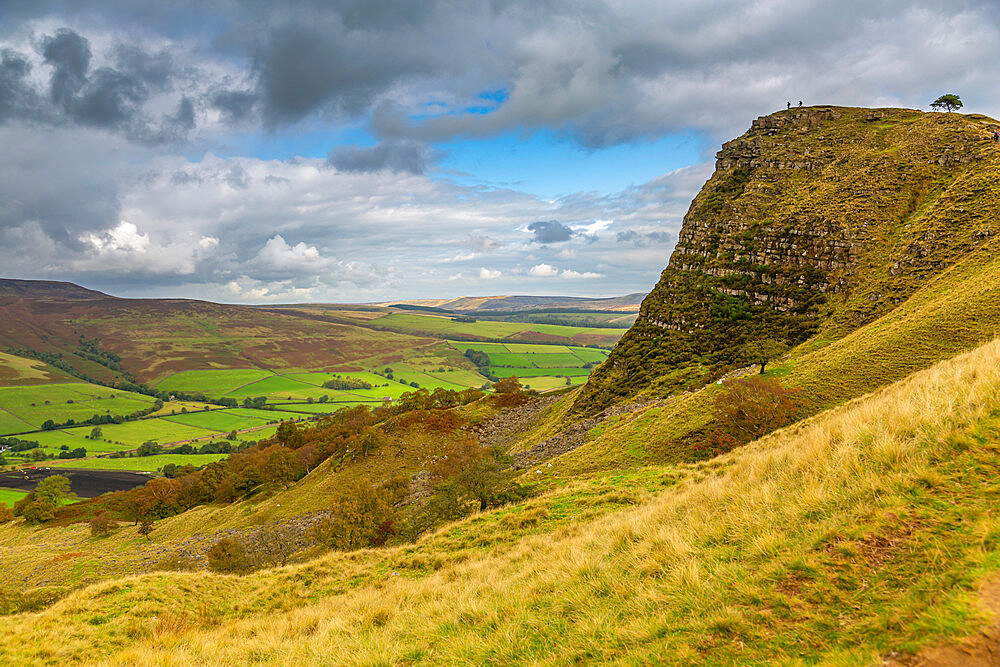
(981, 649)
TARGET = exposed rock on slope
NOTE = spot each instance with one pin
(822, 218)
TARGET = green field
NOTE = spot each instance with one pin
(510, 359)
(10, 423)
(327, 408)
(212, 382)
(588, 354)
(217, 420)
(133, 434)
(273, 384)
(138, 463)
(10, 496)
(546, 383)
(539, 372)
(34, 404)
(263, 415)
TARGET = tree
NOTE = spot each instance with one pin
(360, 516)
(41, 503)
(102, 524)
(749, 408)
(509, 385)
(948, 102)
(763, 351)
(149, 448)
(146, 527)
(95, 433)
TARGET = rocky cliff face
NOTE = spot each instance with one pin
(816, 219)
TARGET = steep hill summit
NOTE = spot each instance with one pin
(819, 219)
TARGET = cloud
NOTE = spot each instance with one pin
(69, 55)
(278, 255)
(543, 270)
(481, 243)
(397, 156)
(237, 105)
(489, 274)
(550, 231)
(125, 237)
(641, 240)
(569, 273)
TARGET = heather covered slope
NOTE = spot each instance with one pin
(861, 532)
(816, 220)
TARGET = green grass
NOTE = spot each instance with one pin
(133, 434)
(10, 496)
(510, 359)
(525, 348)
(547, 382)
(273, 385)
(589, 354)
(504, 372)
(138, 463)
(211, 382)
(217, 420)
(34, 404)
(263, 415)
(462, 346)
(327, 408)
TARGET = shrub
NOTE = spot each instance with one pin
(102, 525)
(361, 516)
(6, 513)
(228, 556)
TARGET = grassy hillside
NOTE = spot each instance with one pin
(817, 220)
(861, 532)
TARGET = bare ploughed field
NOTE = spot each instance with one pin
(84, 483)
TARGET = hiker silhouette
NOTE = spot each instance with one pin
(788, 105)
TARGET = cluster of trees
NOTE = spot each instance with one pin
(346, 384)
(98, 419)
(19, 445)
(90, 349)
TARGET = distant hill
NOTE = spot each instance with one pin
(626, 304)
(47, 289)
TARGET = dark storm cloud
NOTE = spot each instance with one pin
(399, 157)
(109, 99)
(69, 55)
(154, 69)
(237, 105)
(17, 97)
(550, 231)
(301, 69)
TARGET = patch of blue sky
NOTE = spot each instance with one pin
(550, 166)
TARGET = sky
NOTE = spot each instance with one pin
(248, 151)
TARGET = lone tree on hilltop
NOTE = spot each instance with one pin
(947, 102)
(763, 351)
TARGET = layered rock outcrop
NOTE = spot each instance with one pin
(815, 218)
